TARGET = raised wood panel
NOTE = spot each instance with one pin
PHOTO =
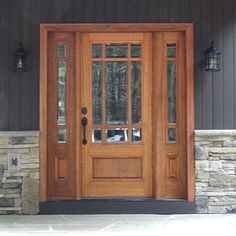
(172, 167)
(171, 172)
(117, 168)
(61, 168)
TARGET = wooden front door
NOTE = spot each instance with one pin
(115, 114)
(116, 82)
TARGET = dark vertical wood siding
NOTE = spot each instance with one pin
(215, 94)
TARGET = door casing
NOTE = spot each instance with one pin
(186, 28)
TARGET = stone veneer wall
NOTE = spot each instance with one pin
(215, 167)
(19, 185)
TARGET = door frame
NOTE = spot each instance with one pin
(187, 28)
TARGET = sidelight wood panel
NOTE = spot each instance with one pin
(61, 149)
(171, 164)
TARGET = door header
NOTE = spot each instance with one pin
(117, 27)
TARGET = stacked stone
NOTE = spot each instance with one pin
(19, 188)
(215, 166)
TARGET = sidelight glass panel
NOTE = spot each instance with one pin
(136, 50)
(116, 50)
(136, 135)
(97, 136)
(117, 135)
(61, 93)
(171, 80)
(171, 50)
(171, 135)
(61, 50)
(116, 93)
(136, 92)
(97, 50)
(97, 92)
(61, 136)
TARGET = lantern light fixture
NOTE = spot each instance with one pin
(212, 58)
(20, 56)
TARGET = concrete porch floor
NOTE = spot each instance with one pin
(146, 225)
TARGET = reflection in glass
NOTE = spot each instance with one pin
(171, 50)
(116, 93)
(61, 136)
(97, 50)
(171, 73)
(61, 50)
(61, 93)
(136, 135)
(97, 92)
(117, 135)
(116, 50)
(171, 135)
(136, 50)
(136, 92)
(97, 136)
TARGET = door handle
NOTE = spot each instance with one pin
(84, 122)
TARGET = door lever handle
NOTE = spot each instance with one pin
(84, 122)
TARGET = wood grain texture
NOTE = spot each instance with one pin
(117, 168)
(170, 166)
(109, 168)
(43, 114)
(189, 73)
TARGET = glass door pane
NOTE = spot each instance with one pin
(116, 92)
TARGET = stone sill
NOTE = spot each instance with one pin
(220, 132)
(10, 208)
(219, 136)
(19, 133)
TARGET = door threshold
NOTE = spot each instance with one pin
(117, 206)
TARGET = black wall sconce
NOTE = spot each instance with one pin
(20, 56)
(212, 58)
